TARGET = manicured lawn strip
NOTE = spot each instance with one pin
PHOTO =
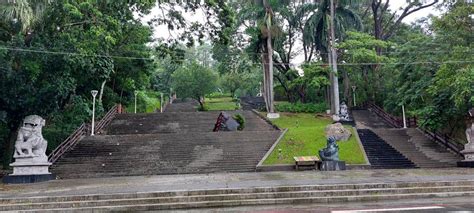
(224, 103)
(306, 137)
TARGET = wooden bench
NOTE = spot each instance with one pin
(306, 161)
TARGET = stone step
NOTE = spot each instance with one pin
(246, 196)
(380, 153)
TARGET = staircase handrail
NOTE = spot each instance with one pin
(108, 117)
(392, 120)
(67, 144)
(444, 139)
(79, 133)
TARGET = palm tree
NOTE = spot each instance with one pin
(316, 28)
(25, 12)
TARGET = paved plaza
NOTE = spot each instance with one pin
(142, 184)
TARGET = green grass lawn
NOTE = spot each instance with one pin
(306, 137)
(224, 103)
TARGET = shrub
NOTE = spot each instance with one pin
(301, 107)
(241, 120)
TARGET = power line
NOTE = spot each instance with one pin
(291, 64)
(75, 54)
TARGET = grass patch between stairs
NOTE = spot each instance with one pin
(306, 137)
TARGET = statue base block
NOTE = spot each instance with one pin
(273, 115)
(19, 179)
(332, 165)
(352, 123)
(30, 166)
(469, 164)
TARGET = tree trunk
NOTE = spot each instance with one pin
(347, 87)
(334, 82)
(10, 144)
(101, 91)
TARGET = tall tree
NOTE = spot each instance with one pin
(385, 27)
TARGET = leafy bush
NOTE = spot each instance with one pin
(241, 120)
(301, 107)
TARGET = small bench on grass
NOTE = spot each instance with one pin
(306, 162)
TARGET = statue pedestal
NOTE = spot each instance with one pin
(468, 156)
(273, 115)
(29, 170)
(332, 165)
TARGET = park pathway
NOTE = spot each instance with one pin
(409, 147)
(179, 105)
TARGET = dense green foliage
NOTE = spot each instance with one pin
(301, 107)
(440, 90)
(305, 137)
(53, 53)
(73, 48)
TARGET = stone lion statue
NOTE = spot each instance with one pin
(30, 141)
(331, 152)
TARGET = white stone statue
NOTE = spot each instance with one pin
(344, 112)
(31, 163)
(30, 141)
(469, 147)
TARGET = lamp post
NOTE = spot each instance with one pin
(136, 93)
(354, 94)
(161, 103)
(404, 118)
(94, 93)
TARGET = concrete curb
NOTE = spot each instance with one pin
(356, 134)
(260, 164)
(265, 119)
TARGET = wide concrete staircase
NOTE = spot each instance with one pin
(228, 197)
(168, 143)
(411, 143)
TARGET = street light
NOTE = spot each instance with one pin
(404, 118)
(161, 103)
(136, 93)
(94, 93)
(354, 94)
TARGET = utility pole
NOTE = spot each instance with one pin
(268, 64)
(333, 74)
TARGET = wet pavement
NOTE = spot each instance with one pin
(458, 205)
(133, 184)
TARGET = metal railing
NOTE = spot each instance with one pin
(438, 137)
(80, 132)
(444, 140)
(108, 117)
(68, 144)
